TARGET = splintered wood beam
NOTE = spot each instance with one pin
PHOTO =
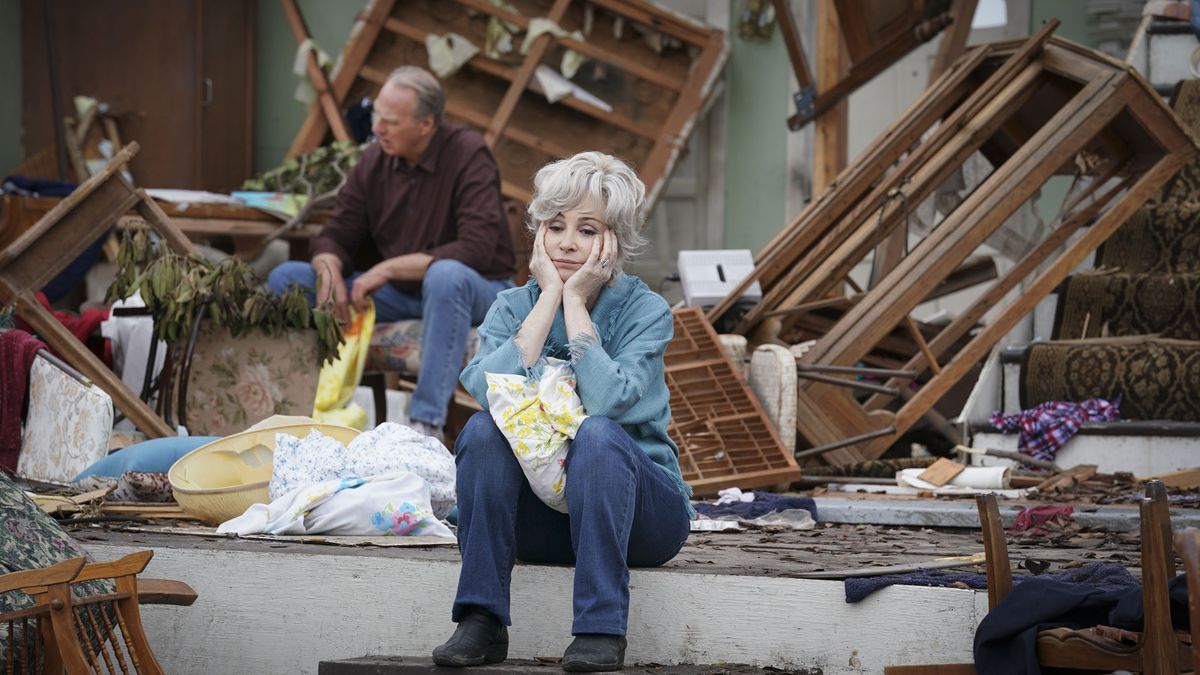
(354, 55)
(316, 74)
(831, 127)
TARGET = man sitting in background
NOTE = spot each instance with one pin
(427, 197)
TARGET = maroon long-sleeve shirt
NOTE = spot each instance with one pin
(447, 205)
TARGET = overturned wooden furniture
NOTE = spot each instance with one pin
(45, 249)
(654, 68)
(1027, 111)
(26, 633)
(875, 34)
(725, 438)
(99, 632)
(1157, 650)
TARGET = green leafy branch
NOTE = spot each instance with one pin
(176, 287)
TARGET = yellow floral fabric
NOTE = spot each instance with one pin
(340, 377)
(539, 417)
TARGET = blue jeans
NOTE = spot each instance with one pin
(453, 298)
(623, 511)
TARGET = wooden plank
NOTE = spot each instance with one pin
(521, 80)
(354, 55)
(791, 40)
(954, 39)
(941, 472)
(831, 127)
(316, 74)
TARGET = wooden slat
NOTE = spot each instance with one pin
(496, 69)
(354, 55)
(954, 39)
(791, 40)
(316, 74)
(521, 80)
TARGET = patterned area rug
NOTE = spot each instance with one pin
(1163, 238)
(1156, 379)
(1099, 304)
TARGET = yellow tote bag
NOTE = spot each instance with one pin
(339, 377)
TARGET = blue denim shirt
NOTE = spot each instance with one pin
(620, 378)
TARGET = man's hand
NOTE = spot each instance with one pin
(332, 286)
(540, 265)
(596, 270)
(367, 283)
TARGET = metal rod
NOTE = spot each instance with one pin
(853, 384)
(857, 370)
(822, 449)
(64, 366)
(863, 480)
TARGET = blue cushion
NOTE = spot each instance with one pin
(154, 456)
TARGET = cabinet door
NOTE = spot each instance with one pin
(152, 62)
(226, 94)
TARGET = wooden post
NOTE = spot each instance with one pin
(830, 127)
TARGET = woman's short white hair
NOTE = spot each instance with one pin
(561, 186)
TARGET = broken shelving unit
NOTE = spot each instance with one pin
(1028, 111)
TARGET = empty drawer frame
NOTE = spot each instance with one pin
(724, 437)
(1031, 110)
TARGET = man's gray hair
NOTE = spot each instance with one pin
(561, 186)
(431, 100)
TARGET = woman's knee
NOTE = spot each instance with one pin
(480, 436)
(599, 440)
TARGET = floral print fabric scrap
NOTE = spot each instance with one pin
(1046, 428)
(388, 448)
(395, 504)
(539, 417)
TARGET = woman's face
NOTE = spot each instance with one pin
(571, 235)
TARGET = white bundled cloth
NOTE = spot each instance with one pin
(539, 418)
(386, 449)
(395, 504)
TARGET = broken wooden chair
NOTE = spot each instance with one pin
(98, 633)
(25, 632)
(1156, 650)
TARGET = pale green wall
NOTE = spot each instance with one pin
(758, 84)
(1073, 16)
(10, 80)
(278, 114)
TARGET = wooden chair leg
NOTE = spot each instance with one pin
(995, 548)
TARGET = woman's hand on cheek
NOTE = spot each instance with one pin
(541, 266)
(596, 270)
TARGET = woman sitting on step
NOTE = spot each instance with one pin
(627, 504)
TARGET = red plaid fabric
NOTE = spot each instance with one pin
(1046, 428)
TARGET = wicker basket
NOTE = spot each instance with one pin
(222, 479)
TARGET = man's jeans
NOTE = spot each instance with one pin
(453, 298)
(623, 511)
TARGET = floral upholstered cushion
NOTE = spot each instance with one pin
(396, 348)
(235, 382)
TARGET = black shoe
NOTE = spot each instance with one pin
(480, 638)
(593, 653)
